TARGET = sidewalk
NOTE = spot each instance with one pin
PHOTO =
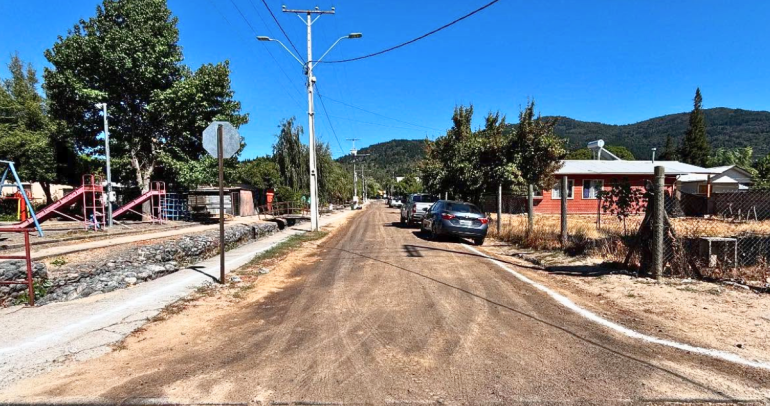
(35, 340)
(38, 254)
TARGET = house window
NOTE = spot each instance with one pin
(591, 188)
(703, 189)
(556, 192)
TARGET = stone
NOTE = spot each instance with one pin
(235, 279)
(263, 271)
(130, 280)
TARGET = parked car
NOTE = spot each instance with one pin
(415, 207)
(457, 219)
(395, 202)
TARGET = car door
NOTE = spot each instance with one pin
(433, 212)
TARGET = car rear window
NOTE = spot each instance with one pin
(462, 208)
(424, 199)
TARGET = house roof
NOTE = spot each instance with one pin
(723, 174)
(595, 167)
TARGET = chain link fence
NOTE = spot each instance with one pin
(725, 236)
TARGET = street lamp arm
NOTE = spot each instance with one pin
(284, 47)
(327, 51)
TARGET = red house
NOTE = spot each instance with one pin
(587, 177)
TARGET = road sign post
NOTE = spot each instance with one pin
(221, 140)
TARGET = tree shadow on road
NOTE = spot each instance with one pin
(530, 316)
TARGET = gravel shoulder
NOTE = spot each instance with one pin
(699, 313)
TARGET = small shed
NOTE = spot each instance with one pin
(238, 201)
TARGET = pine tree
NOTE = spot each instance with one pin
(669, 152)
(695, 148)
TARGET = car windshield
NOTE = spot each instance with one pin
(462, 208)
(424, 199)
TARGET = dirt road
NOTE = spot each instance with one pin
(381, 315)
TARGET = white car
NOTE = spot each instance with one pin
(396, 202)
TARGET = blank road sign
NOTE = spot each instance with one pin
(231, 140)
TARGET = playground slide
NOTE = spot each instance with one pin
(46, 212)
(139, 200)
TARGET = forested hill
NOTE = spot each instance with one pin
(729, 128)
(399, 157)
(725, 127)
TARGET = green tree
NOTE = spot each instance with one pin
(621, 152)
(408, 185)
(25, 131)
(733, 156)
(669, 152)
(585, 153)
(540, 152)
(292, 157)
(762, 169)
(622, 200)
(128, 56)
(695, 147)
(538, 148)
(262, 173)
(452, 161)
(498, 160)
(580, 154)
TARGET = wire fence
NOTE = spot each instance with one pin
(724, 236)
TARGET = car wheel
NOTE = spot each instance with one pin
(433, 233)
(403, 222)
(478, 241)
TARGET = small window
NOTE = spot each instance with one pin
(703, 189)
(591, 188)
(556, 192)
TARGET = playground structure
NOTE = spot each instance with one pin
(90, 195)
(158, 205)
(11, 169)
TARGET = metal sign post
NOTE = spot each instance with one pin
(221, 140)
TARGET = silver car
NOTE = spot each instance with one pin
(415, 207)
(457, 219)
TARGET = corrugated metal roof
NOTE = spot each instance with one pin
(594, 167)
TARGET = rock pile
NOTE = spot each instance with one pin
(132, 266)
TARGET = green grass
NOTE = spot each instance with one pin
(283, 248)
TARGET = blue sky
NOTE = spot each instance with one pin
(615, 62)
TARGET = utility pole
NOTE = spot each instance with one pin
(103, 106)
(311, 111)
(308, 69)
(354, 152)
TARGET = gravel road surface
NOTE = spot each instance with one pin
(382, 315)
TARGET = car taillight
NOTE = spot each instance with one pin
(447, 216)
(484, 220)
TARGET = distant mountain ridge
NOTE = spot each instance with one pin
(729, 128)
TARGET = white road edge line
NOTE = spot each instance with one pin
(564, 301)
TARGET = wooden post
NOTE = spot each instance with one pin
(658, 226)
(499, 208)
(530, 208)
(564, 192)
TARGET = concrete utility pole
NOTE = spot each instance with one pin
(354, 152)
(308, 68)
(103, 106)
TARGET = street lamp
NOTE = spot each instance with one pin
(103, 106)
(308, 70)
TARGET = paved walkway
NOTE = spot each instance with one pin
(36, 339)
(58, 250)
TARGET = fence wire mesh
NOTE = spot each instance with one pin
(725, 236)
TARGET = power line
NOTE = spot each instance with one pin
(265, 47)
(282, 30)
(382, 115)
(329, 120)
(415, 39)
